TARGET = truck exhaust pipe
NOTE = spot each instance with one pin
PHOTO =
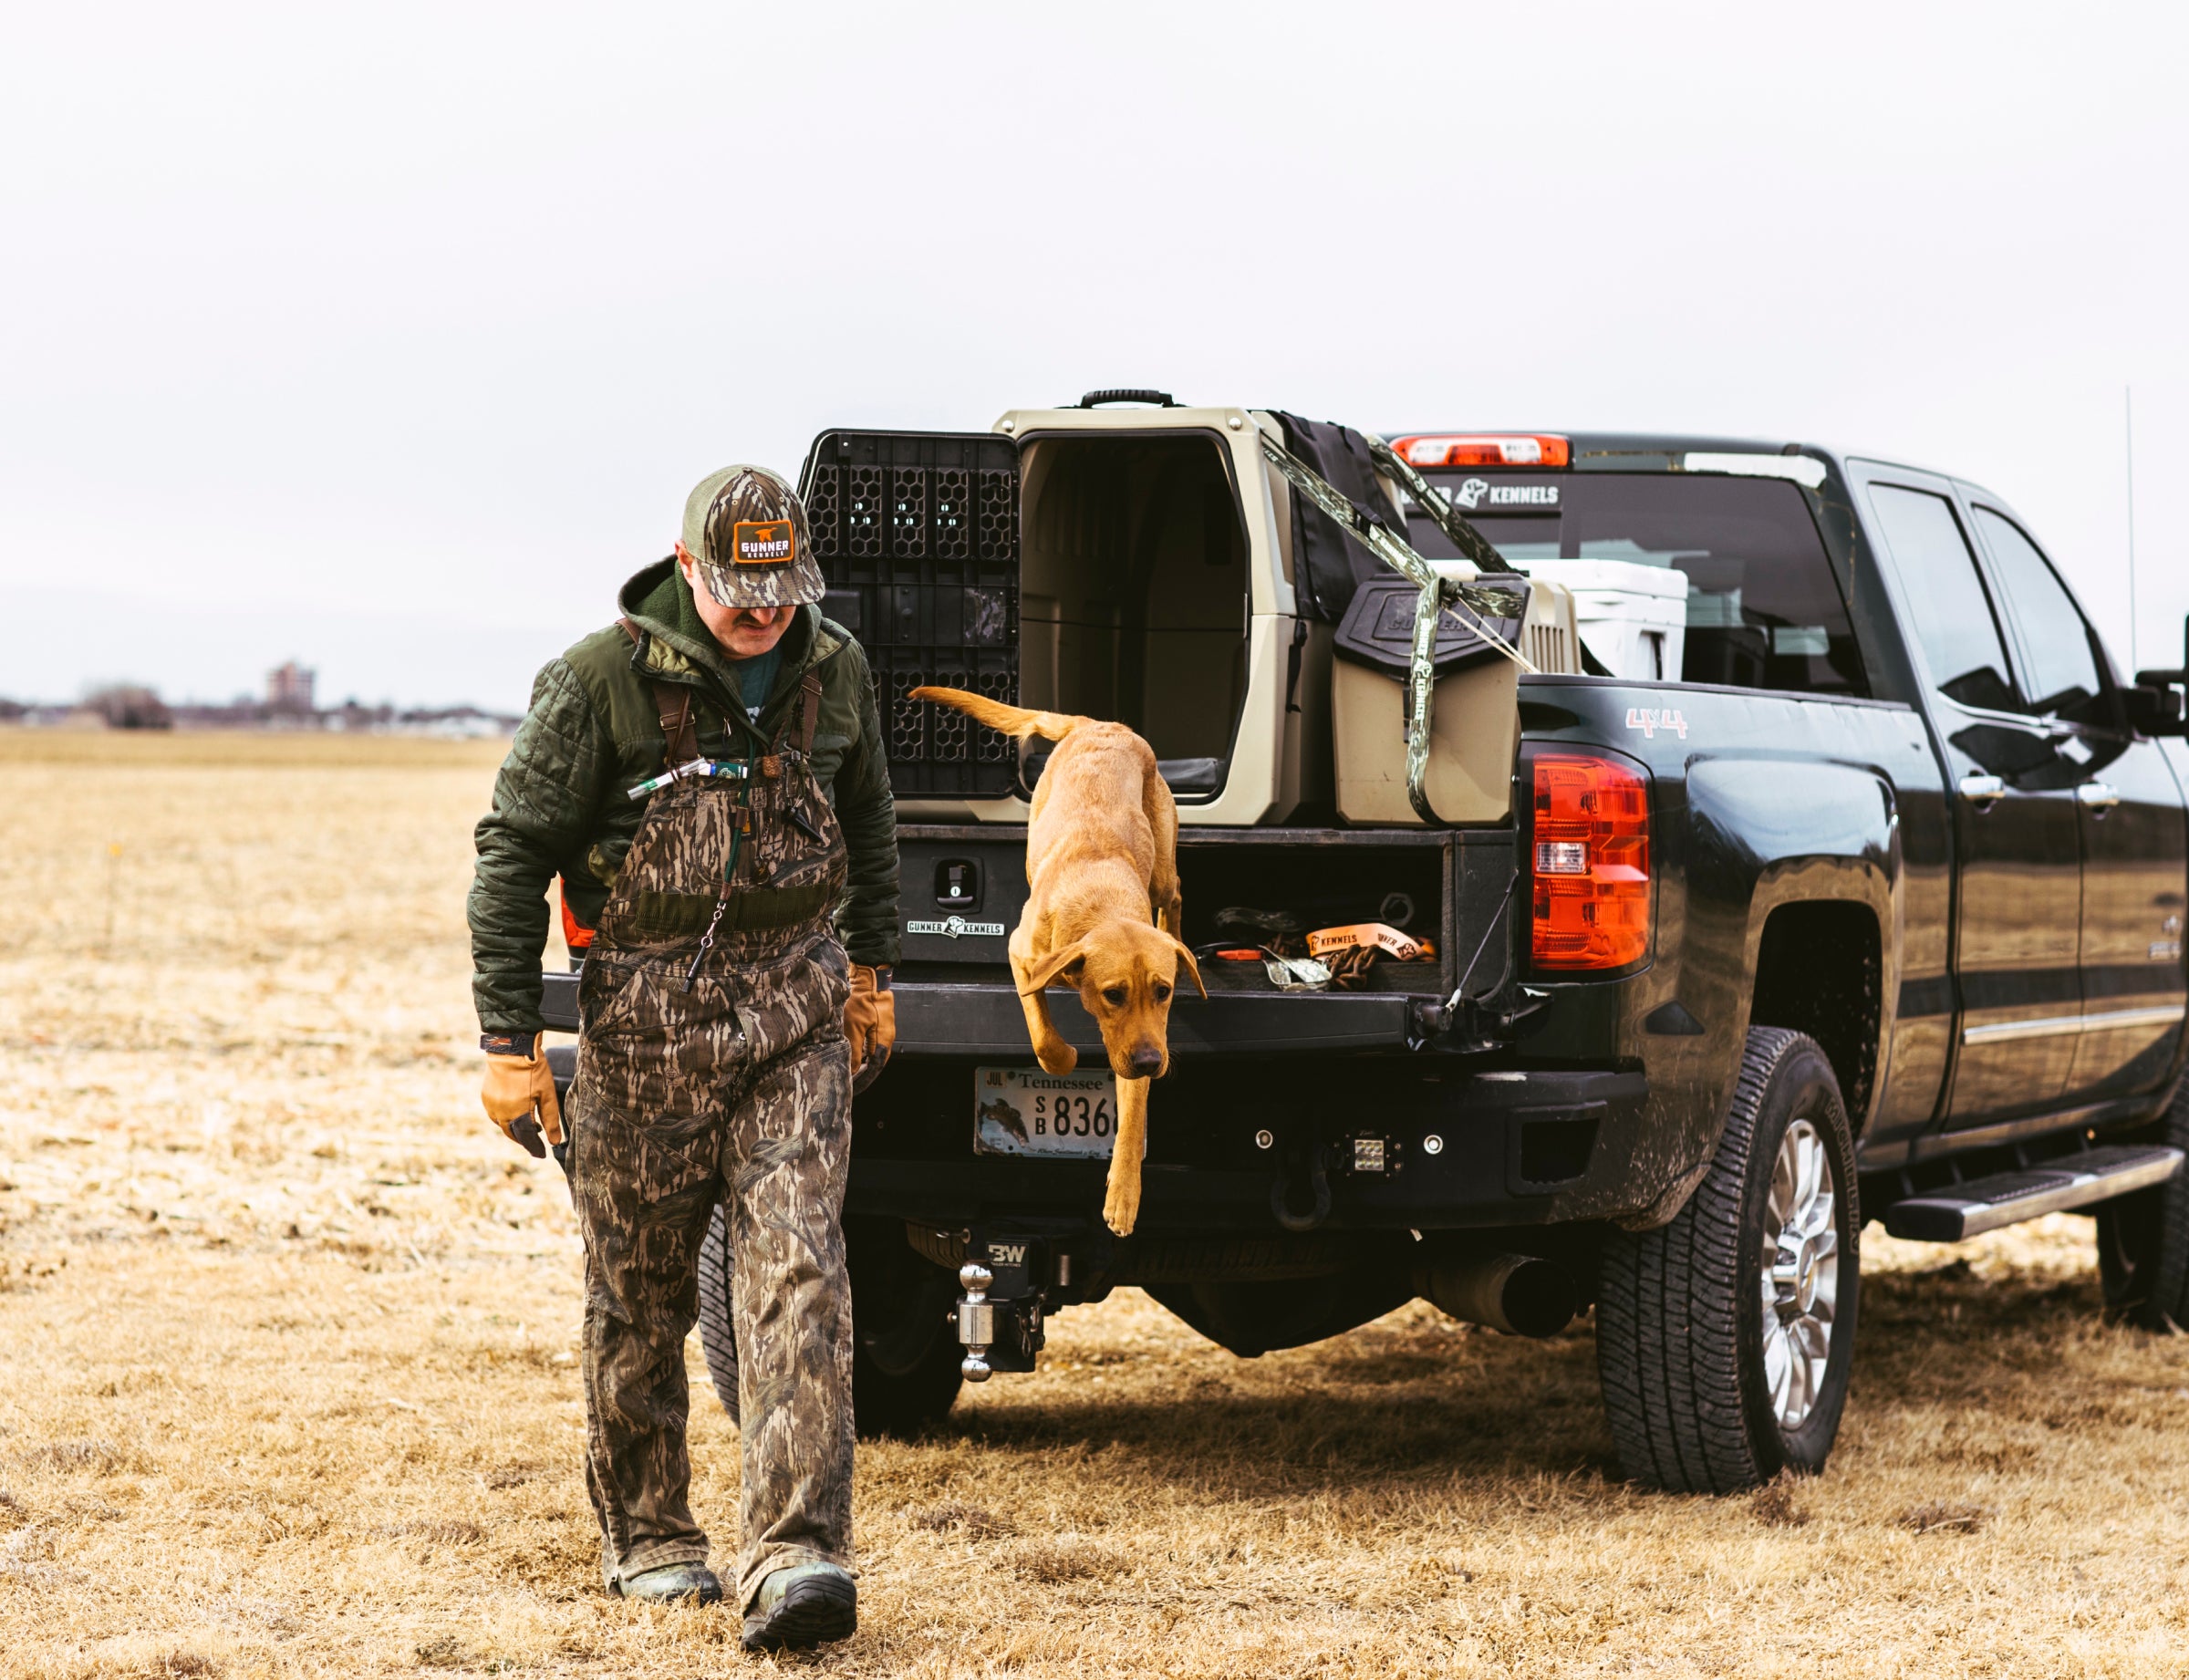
(1517, 1293)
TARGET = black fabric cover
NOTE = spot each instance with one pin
(1328, 563)
(1182, 775)
(1191, 775)
(1378, 629)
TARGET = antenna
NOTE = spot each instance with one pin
(2128, 438)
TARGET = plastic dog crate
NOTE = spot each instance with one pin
(918, 537)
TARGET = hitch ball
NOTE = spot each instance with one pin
(976, 1319)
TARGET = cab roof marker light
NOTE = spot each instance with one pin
(1804, 470)
(1483, 449)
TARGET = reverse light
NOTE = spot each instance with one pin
(1562, 858)
(1590, 889)
(1484, 449)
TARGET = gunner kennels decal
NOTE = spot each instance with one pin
(1477, 493)
(957, 927)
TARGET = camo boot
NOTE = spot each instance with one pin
(797, 1608)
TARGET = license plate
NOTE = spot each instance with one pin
(1024, 1111)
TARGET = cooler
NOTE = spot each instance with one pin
(1632, 617)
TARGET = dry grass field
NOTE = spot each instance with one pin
(288, 1384)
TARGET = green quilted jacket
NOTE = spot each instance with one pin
(593, 732)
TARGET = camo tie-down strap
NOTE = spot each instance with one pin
(1474, 598)
(1438, 507)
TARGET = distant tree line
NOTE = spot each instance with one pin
(125, 705)
(128, 705)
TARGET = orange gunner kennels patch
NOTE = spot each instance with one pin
(754, 542)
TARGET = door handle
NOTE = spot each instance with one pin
(1982, 791)
(2097, 796)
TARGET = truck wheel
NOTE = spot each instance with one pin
(2144, 1242)
(1724, 1339)
(904, 1359)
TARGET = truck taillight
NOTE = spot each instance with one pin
(1590, 874)
(1484, 449)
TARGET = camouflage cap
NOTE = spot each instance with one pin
(746, 528)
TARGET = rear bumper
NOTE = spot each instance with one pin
(1380, 1145)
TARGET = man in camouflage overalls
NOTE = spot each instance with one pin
(706, 778)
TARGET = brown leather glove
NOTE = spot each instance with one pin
(518, 1083)
(869, 1024)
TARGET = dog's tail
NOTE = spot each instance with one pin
(1009, 720)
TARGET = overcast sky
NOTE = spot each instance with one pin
(391, 338)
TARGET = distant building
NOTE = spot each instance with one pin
(289, 688)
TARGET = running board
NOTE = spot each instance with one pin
(1963, 1210)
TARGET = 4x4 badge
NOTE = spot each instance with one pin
(951, 928)
(1649, 719)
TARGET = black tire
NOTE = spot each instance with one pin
(2143, 1240)
(1680, 1313)
(904, 1372)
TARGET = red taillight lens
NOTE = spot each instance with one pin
(1485, 449)
(1591, 863)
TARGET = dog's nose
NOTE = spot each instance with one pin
(1147, 1062)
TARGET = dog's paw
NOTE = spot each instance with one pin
(1056, 1056)
(1121, 1207)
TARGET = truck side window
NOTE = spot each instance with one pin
(1948, 608)
(2062, 675)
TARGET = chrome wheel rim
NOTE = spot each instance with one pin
(1801, 1274)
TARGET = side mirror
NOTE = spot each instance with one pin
(2154, 704)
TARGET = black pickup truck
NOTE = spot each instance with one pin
(1868, 908)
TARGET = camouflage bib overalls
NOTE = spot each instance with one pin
(712, 1067)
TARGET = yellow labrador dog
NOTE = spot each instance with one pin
(1103, 914)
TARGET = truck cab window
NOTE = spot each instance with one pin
(1948, 609)
(2062, 672)
(1761, 606)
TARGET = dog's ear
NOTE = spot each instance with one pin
(1052, 968)
(1192, 968)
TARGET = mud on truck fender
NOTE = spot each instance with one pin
(1788, 916)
